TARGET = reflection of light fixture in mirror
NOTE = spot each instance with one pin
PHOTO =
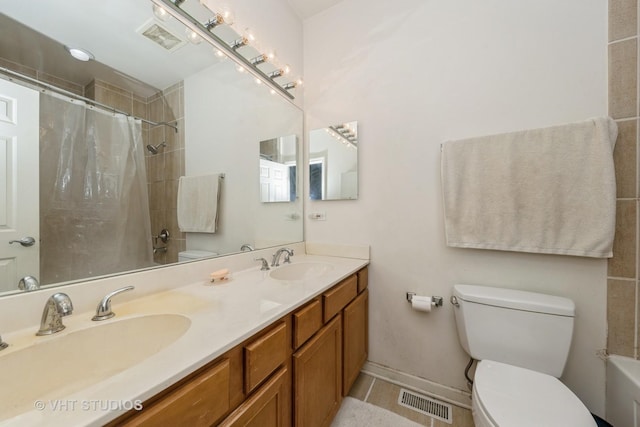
(260, 59)
(214, 22)
(160, 12)
(292, 85)
(225, 17)
(279, 72)
(192, 36)
(345, 133)
(238, 43)
(79, 54)
(229, 48)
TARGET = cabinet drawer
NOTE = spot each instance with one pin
(306, 322)
(200, 402)
(339, 296)
(263, 355)
(363, 279)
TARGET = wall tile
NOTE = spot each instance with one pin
(624, 157)
(623, 79)
(621, 315)
(623, 263)
(623, 19)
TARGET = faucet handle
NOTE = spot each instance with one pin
(265, 263)
(103, 311)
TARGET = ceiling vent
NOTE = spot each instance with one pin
(161, 36)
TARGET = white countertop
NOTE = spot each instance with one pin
(221, 315)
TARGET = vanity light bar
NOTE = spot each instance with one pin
(229, 49)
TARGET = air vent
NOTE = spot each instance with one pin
(426, 405)
(161, 35)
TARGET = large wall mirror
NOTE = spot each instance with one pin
(110, 191)
(333, 162)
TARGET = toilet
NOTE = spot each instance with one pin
(521, 340)
(194, 255)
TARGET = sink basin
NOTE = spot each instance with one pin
(300, 271)
(59, 366)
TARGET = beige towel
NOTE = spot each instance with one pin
(198, 200)
(548, 190)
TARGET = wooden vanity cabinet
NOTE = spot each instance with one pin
(355, 318)
(200, 401)
(270, 406)
(318, 377)
(294, 372)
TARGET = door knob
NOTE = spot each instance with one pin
(25, 241)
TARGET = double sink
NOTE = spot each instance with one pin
(38, 370)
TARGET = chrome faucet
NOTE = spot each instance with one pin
(247, 247)
(3, 344)
(265, 264)
(103, 312)
(57, 306)
(276, 257)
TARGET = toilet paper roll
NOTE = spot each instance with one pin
(421, 303)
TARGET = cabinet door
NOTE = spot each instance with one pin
(355, 339)
(317, 371)
(200, 402)
(269, 406)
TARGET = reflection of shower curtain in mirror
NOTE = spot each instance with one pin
(94, 208)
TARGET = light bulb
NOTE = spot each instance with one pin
(219, 53)
(192, 36)
(160, 12)
(240, 69)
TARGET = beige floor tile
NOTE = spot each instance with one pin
(385, 395)
(461, 417)
(361, 386)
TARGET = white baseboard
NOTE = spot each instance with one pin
(420, 385)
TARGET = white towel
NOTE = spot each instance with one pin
(548, 190)
(198, 199)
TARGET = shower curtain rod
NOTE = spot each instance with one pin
(61, 91)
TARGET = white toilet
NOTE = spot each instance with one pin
(521, 340)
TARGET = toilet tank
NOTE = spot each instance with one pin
(520, 328)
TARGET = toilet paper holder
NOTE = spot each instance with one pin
(435, 301)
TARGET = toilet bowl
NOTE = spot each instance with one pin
(521, 340)
(506, 395)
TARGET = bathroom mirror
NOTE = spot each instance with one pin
(333, 162)
(215, 115)
(278, 169)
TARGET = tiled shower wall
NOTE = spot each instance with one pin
(622, 283)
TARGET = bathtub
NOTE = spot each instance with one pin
(623, 391)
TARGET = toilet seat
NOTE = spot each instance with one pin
(509, 396)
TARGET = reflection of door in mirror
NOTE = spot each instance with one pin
(278, 169)
(19, 165)
(333, 162)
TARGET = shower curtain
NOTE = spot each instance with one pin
(94, 207)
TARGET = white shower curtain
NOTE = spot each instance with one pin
(94, 207)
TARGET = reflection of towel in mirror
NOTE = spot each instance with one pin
(198, 200)
(548, 190)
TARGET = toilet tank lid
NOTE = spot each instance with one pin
(516, 299)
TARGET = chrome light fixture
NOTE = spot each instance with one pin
(204, 31)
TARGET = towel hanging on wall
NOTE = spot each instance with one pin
(198, 200)
(549, 190)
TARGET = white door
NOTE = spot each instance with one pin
(19, 182)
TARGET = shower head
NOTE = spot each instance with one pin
(153, 149)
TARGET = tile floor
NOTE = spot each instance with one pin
(385, 395)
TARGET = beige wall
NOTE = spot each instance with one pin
(623, 107)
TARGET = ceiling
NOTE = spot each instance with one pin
(307, 8)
